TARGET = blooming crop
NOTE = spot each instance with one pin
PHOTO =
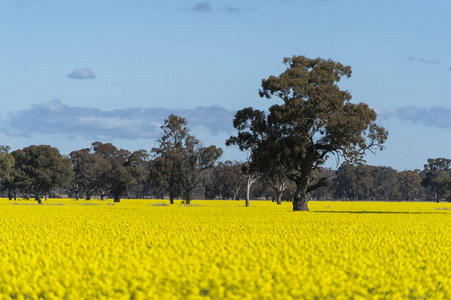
(142, 249)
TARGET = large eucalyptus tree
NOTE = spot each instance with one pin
(316, 119)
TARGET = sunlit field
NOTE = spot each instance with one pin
(146, 249)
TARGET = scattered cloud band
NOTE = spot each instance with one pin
(439, 117)
(54, 118)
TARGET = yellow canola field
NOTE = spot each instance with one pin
(142, 249)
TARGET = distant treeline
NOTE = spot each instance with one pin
(363, 182)
(180, 167)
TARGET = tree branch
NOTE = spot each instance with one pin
(321, 182)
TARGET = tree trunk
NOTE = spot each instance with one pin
(171, 198)
(187, 197)
(279, 198)
(37, 198)
(117, 198)
(46, 197)
(300, 199)
(300, 203)
(236, 194)
(247, 193)
(250, 181)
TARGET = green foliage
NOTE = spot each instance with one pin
(120, 173)
(181, 162)
(315, 120)
(410, 185)
(90, 172)
(6, 164)
(437, 178)
(167, 167)
(227, 181)
(41, 169)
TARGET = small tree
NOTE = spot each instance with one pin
(232, 180)
(196, 161)
(181, 160)
(315, 120)
(410, 185)
(6, 170)
(139, 160)
(121, 174)
(41, 169)
(167, 164)
(353, 182)
(226, 181)
(251, 177)
(385, 186)
(90, 170)
(437, 180)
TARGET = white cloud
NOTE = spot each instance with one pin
(55, 118)
(84, 73)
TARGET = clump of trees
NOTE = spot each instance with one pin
(437, 179)
(363, 182)
(179, 165)
(105, 171)
(40, 169)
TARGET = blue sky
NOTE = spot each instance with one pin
(77, 71)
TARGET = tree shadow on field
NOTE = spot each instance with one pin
(380, 212)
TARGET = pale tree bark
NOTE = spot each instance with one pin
(279, 194)
(278, 183)
(236, 191)
(250, 181)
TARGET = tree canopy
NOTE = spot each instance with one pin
(437, 178)
(180, 159)
(315, 120)
(41, 169)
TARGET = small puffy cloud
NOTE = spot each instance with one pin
(84, 73)
(201, 7)
(439, 117)
(55, 118)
